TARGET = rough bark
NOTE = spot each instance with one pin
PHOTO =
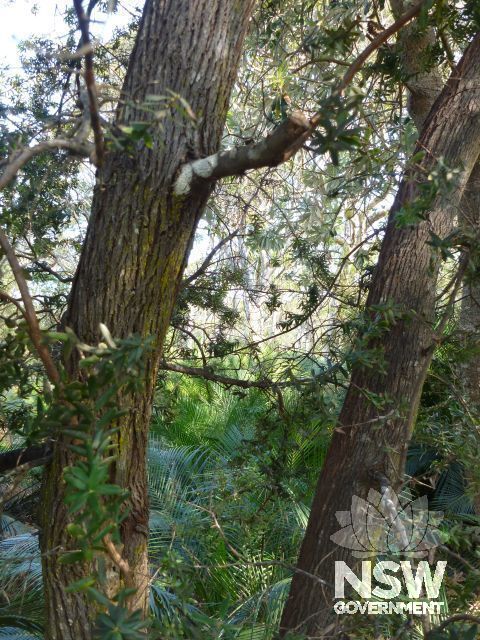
(470, 310)
(424, 86)
(369, 439)
(423, 81)
(470, 307)
(469, 321)
(135, 251)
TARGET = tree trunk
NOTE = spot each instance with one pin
(470, 323)
(470, 309)
(373, 439)
(424, 87)
(414, 45)
(135, 251)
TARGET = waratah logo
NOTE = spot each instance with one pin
(387, 524)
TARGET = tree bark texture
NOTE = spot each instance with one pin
(424, 83)
(135, 250)
(470, 309)
(470, 322)
(414, 47)
(373, 438)
(424, 87)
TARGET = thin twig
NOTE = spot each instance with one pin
(458, 557)
(193, 337)
(18, 474)
(6, 298)
(118, 561)
(77, 146)
(458, 618)
(377, 42)
(263, 383)
(206, 263)
(84, 22)
(29, 310)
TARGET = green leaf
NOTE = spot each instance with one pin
(70, 557)
(81, 585)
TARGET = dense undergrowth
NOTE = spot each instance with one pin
(231, 477)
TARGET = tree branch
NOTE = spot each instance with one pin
(84, 22)
(118, 561)
(78, 143)
(208, 374)
(35, 455)
(206, 263)
(43, 266)
(269, 152)
(78, 146)
(265, 383)
(284, 141)
(9, 300)
(29, 311)
(377, 42)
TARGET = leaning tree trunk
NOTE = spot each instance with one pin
(134, 253)
(372, 438)
(470, 308)
(469, 371)
(424, 86)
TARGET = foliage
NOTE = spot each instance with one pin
(279, 303)
(228, 506)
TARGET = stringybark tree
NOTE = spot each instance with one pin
(369, 446)
(134, 254)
